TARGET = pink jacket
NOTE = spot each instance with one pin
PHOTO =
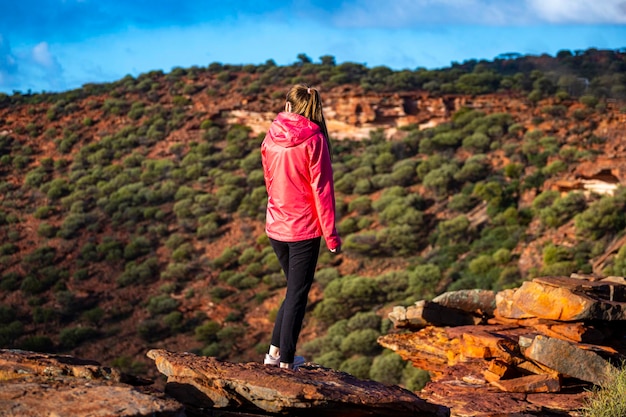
(299, 181)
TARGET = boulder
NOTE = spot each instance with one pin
(569, 359)
(564, 299)
(205, 382)
(478, 302)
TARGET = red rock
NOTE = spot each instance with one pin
(569, 359)
(204, 382)
(530, 383)
(564, 299)
(564, 402)
(45, 385)
(426, 313)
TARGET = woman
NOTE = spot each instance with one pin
(300, 209)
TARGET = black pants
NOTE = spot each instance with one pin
(298, 260)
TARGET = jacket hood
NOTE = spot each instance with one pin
(291, 129)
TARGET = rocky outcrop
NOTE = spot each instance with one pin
(207, 383)
(534, 350)
(43, 385)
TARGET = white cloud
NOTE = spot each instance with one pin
(433, 13)
(42, 56)
(580, 11)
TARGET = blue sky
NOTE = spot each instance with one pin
(57, 45)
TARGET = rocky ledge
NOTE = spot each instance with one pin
(536, 350)
(37, 385)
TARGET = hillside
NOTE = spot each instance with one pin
(131, 213)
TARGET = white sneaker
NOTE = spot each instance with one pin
(270, 360)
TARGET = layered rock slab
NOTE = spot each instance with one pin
(45, 385)
(39, 396)
(536, 350)
(205, 382)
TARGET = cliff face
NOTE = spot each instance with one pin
(352, 114)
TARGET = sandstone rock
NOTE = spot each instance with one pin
(476, 400)
(568, 403)
(62, 396)
(498, 369)
(612, 289)
(541, 298)
(425, 313)
(529, 383)
(18, 363)
(203, 382)
(430, 348)
(507, 308)
(479, 302)
(45, 385)
(569, 360)
(574, 332)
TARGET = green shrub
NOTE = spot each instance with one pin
(43, 212)
(8, 249)
(174, 321)
(414, 378)
(423, 281)
(387, 368)
(183, 253)
(219, 293)
(10, 282)
(110, 249)
(440, 180)
(207, 332)
(94, 316)
(332, 359)
(602, 217)
(562, 209)
(46, 230)
(139, 246)
(325, 275)
(57, 188)
(151, 330)
(477, 142)
(10, 332)
(453, 231)
(361, 342)
(364, 320)
(608, 399)
(227, 258)
(36, 343)
(71, 337)
(161, 304)
(72, 224)
(177, 271)
(358, 366)
(139, 273)
(474, 169)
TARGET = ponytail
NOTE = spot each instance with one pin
(306, 102)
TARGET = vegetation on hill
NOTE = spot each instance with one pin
(129, 218)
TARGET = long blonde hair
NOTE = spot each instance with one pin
(306, 102)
